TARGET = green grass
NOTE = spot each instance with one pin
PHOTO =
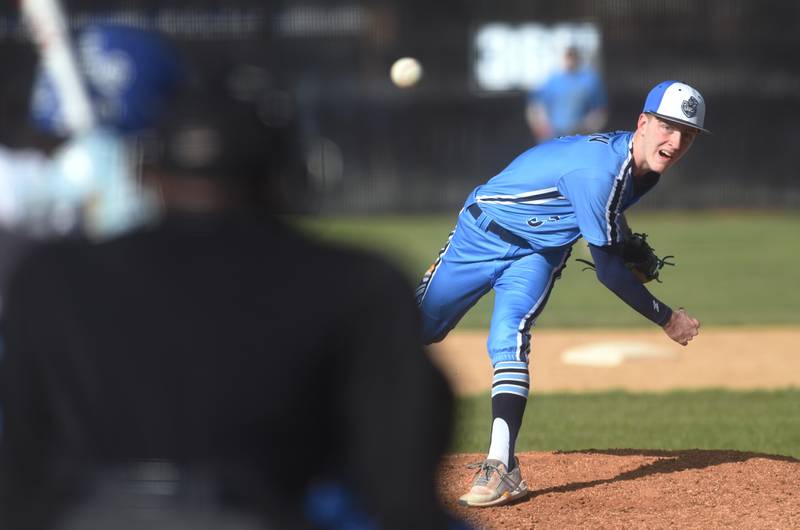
(758, 421)
(734, 268)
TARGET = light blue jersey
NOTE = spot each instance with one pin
(568, 97)
(555, 192)
(90, 184)
(515, 233)
(514, 236)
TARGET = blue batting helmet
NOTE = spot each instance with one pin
(129, 75)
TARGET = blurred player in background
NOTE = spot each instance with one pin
(515, 234)
(572, 101)
(129, 75)
(213, 368)
(90, 181)
(86, 183)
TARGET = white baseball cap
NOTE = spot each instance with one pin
(677, 102)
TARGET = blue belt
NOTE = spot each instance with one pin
(498, 230)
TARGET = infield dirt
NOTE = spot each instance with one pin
(739, 358)
(639, 489)
(635, 488)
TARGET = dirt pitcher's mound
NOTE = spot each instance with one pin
(630, 488)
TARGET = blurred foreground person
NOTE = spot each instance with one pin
(71, 181)
(210, 369)
(88, 180)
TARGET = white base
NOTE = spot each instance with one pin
(615, 353)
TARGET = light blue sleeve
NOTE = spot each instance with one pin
(592, 196)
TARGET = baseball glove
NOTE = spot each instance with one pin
(639, 257)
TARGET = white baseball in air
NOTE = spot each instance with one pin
(406, 72)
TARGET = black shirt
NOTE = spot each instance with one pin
(225, 343)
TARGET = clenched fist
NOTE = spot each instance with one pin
(681, 327)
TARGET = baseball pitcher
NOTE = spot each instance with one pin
(515, 233)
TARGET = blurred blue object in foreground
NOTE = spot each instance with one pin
(330, 505)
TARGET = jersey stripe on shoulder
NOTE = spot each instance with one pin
(614, 203)
(529, 197)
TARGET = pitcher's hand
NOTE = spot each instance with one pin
(681, 327)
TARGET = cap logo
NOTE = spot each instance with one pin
(110, 71)
(689, 107)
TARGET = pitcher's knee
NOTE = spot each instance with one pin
(433, 331)
(435, 324)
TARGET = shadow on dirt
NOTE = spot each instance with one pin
(668, 462)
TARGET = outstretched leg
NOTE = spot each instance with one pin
(521, 292)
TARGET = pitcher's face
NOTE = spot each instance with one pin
(661, 143)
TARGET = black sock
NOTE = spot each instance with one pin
(510, 409)
(510, 387)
